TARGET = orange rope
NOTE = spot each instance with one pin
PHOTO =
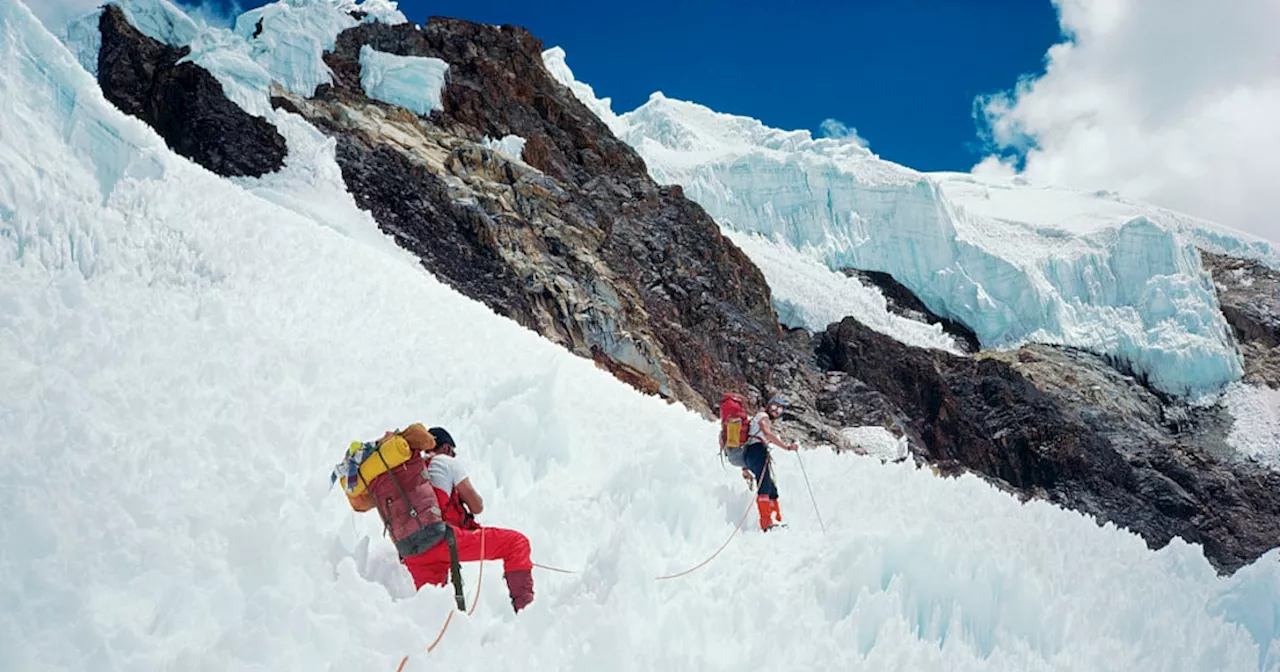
(475, 601)
(702, 564)
(449, 619)
(767, 465)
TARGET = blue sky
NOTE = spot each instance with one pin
(904, 73)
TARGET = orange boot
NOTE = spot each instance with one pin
(765, 506)
(777, 513)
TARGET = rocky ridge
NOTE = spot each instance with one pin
(1249, 294)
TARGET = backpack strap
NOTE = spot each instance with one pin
(455, 567)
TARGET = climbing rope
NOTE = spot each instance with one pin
(733, 534)
(768, 464)
(737, 528)
(554, 569)
(475, 601)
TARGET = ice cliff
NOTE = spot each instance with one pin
(1085, 270)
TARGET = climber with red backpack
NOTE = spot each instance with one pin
(756, 455)
(392, 476)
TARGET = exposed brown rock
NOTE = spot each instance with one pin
(1249, 294)
(573, 239)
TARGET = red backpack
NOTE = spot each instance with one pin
(734, 423)
(408, 506)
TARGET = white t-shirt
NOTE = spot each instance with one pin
(754, 433)
(446, 472)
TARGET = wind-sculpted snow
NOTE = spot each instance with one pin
(184, 361)
(808, 294)
(411, 82)
(1129, 285)
(289, 38)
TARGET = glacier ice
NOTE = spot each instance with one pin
(1125, 282)
(412, 82)
(382, 11)
(511, 145)
(808, 294)
(289, 38)
(184, 359)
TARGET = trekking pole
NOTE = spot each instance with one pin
(810, 487)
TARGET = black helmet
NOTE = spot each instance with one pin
(442, 436)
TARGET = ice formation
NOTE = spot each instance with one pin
(808, 294)
(183, 360)
(1112, 277)
(411, 82)
(878, 442)
(282, 42)
(511, 145)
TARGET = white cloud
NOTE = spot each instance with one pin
(1176, 103)
(834, 128)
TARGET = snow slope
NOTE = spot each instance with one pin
(1112, 277)
(1255, 432)
(184, 362)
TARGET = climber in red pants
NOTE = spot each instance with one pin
(460, 503)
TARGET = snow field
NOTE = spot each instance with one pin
(185, 361)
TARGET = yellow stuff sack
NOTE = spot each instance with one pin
(393, 449)
(733, 433)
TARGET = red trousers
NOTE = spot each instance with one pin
(509, 546)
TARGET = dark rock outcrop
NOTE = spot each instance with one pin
(1249, 294)
(183, 102)
(572, 239)
(902, 301)
(1063, 426)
